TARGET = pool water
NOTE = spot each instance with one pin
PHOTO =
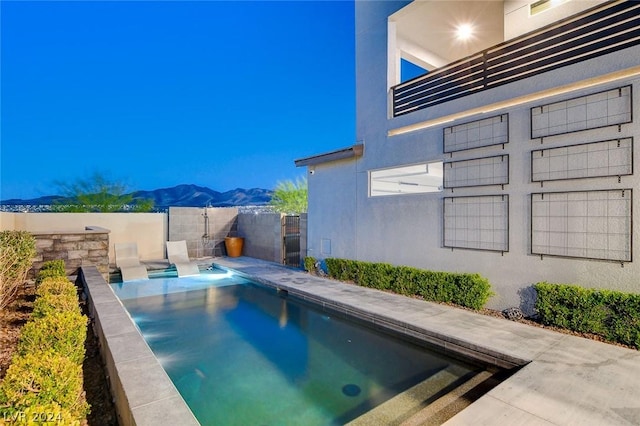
(243, 354)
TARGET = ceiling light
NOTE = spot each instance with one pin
(464, 31)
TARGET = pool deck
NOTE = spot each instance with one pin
(567, 380)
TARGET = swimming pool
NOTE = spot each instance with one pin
(242, 353)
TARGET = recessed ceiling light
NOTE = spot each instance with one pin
(464, 31)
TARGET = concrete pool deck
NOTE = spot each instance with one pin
(567, 380)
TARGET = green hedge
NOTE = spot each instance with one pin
(50, 304)
(51, 269)
(45, 375)
(468, 290)
(611, 314)
(46, 379)
(57, 286)
(309, 264)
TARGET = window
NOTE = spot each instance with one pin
(413, 179)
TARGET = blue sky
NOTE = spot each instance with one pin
(223, 94)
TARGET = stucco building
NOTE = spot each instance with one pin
(512, 157)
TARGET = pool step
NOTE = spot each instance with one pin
(448, 405)
(405, 406)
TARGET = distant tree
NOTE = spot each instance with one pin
(98, 194)
(290, 197)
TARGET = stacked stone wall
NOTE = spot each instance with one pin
(84, 248)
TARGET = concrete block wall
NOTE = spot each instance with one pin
(263, 235)
(188, 223)
(262, 232)
(83, 248)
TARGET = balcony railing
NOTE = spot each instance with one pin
(594, 33)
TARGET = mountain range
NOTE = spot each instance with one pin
(177, 196)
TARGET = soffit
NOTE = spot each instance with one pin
(431, 24)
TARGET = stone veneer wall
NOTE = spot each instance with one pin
(82, 248)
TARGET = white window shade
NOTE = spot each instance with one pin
(412, 179)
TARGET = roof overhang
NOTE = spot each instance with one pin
(340, 154)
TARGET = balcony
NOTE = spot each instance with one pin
(593, 33)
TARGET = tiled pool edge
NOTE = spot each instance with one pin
(142, 391)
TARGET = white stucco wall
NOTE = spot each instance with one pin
(331, 219)
(407, 229)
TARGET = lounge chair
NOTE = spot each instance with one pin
(129, 263)
(178, 256)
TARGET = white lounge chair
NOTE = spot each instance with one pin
(129, 263)
(178, 256)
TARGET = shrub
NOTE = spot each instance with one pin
(51, 268)
(57, 285)
(469, 290)
(62, 332)
(310, 264)
(49, 304)
(55, 295)
(611, 314)
(44, 382)
(17, 249)
(39, 414)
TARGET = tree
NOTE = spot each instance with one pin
(98, 194)
(290, 197)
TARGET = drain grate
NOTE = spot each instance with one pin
(351, 390)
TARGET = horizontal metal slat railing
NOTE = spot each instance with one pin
(586, 36)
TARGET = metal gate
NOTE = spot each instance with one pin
(291, 240)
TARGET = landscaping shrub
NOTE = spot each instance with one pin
(57, 285)
(51, 268)
(43, 383)
(62, 332)
(55, 295)
(613, 315)
(310, 264)
(469, 290)
(17, 250)
(49, 304)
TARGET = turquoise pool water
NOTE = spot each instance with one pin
(243, 354)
